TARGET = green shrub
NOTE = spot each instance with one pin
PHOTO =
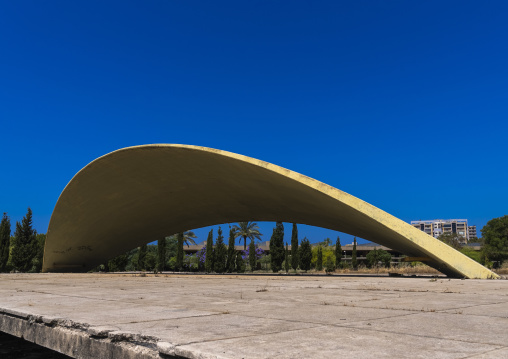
(329, 265)
(471, 253)
(172, 263)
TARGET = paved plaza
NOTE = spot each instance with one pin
(242, 316)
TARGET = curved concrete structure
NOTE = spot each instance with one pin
(140, 194)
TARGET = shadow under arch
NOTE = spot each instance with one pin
(140, 194)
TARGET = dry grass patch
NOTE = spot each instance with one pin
(501, 270)
(419, 269)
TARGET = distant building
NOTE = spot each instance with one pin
(436, 227)
(471, 230)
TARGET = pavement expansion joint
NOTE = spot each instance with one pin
(249, 335)
(482, 355)
(175, 319)
(334, 324)
(418, 335)
(391, 308)
(63, 295)
(472, 306)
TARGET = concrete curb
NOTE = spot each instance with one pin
(78, 340)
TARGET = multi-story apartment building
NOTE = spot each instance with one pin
(436, 227)
(471, 230)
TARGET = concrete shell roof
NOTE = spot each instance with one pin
(140, 194)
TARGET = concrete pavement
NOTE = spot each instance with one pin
(231, 316)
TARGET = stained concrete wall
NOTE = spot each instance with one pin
(140, 194)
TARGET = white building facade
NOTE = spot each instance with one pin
(436, 227)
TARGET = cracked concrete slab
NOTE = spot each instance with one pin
(428, 302)
(211, 328)
(486, 330)
(486, 310)
(492, 354)
(330, 342)
(325, 313)
(102, 312)
(213, 316)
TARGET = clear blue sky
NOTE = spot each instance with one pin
(403, 104)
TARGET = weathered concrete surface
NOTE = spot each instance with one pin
(122, 315)
(140, 194)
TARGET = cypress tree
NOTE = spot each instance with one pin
(338, 253)
(286, 260)
(240, 263)
(161, 254)
(40, 239)
(252, 255)
(5, 240)
(280, 242)
(305, 252)
(277, 247)
(230, 264)
(220, 253)
(25, 244)
(294, 247)
(319, 263)
(272, 248)
(209, 252)
(354, 261)
(179, 252)
(142, 257)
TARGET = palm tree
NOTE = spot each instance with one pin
(188, 237)
(246, 230)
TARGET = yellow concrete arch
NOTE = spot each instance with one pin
(140, 194)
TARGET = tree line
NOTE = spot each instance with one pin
(302, 256)
(23, 251)
(216, 256)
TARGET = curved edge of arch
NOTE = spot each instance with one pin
(443, 257)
